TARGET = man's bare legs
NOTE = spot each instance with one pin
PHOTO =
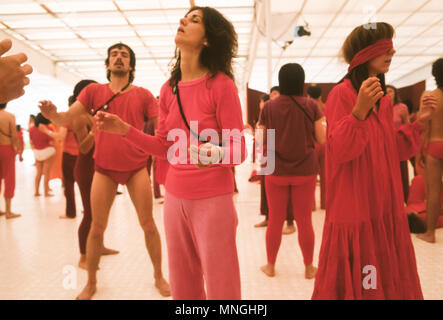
(38, 176)
(139, 188)
(103, 191)
(433, 174)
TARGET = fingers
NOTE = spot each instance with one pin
(205, 154)
(5, 45)
(370, 82)
(27, 69)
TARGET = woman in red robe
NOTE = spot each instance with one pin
(366, 250)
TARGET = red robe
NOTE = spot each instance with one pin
(365, 224)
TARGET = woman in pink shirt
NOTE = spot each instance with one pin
(199, 213)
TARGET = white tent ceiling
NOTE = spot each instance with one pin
(76, 34)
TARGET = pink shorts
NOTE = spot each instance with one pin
(435, 149)
(121, 177)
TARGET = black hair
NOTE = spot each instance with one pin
(3, 105)
(18, 127)
(265, 97)
(314, 92)
(222, 46)
(78, 88)
(41, 119)
(275, 88)
(131, 60)
(437, 72)
(291, 79)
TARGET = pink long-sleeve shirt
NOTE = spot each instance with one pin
(214, 103)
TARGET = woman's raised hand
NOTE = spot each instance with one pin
(111, 123)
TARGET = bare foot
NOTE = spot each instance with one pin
(163, 287)
(428, 237)
(10, 215)
(288, 229)
(310, 272)
(268, 269)
(2, 213)
(82, 264)
(264, 223)
(66, 217)
(47, 195)
(87, 292)
(37, 194)
(107, 252)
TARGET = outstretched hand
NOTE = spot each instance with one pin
(111, 123)
(48, 109)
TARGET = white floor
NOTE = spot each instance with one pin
(39, 251)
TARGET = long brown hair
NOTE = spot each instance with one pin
(221, 49)
(361, 37)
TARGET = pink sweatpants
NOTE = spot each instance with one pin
(302, 191)
(202, 251)
(7, 169)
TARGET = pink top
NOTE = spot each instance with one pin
(70, 144)
(112, 151)
(215, 104)
(294, 134)
(400, 114)
(39, 139)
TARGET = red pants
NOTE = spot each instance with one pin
(68, 164)
(7, 169)
(84, 172)
(302, 190)
(202, 251)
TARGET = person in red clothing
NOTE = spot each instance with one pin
(314, 92)
(116, 161)
(9, 145)
(83, 129)
(434, 155)
(199, 213)
(294, 118)
(366, 250)
(21, 142)
(401, 116)
(42, 140)
(69, 158)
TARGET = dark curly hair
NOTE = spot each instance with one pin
(131, 60)
(437, 72)
(360, 38)
(221, 49)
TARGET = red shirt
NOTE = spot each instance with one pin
(112, 151)
(39, 139)
(294, 134)
(70, 144)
